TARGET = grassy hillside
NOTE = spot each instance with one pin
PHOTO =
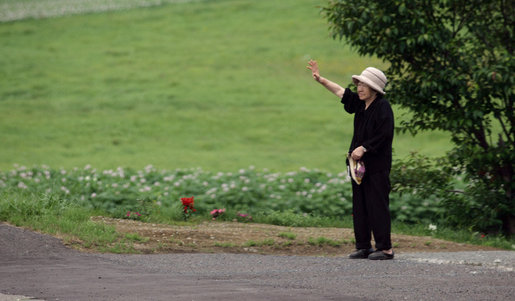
(214, 84)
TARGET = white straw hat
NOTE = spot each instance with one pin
(373, 77)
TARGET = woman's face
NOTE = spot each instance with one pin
(365, 93)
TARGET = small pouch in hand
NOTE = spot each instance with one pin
(357, 169)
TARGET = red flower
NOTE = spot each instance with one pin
(188, 204)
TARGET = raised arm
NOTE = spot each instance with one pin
(329, 85)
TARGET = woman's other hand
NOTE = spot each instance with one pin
(357, 153)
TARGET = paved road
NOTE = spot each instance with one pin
(39, 266)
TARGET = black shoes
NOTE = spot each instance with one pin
(380, 255)
(370, 254)
(361, 254)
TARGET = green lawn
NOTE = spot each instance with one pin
(220, 85)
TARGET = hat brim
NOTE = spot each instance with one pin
(368, 82)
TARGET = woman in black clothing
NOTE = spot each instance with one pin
(372, 144)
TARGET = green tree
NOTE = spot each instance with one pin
(451, 64)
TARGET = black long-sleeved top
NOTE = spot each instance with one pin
(373, 129)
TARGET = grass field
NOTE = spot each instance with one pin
(214, 84)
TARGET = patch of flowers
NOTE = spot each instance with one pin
(188, 209)
(243, 217)
(121, 190)
(216, 213)
(118, 191)
(133, 215)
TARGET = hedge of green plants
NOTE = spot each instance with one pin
(306, 191)
(422, 192)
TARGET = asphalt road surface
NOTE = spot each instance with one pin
(39, 267)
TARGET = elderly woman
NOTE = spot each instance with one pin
(372, 145)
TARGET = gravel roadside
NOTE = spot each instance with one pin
(39, 266)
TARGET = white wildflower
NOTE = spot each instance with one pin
(22, 185)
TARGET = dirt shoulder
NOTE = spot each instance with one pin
(235, 237)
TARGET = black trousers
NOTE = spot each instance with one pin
(371, 212)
